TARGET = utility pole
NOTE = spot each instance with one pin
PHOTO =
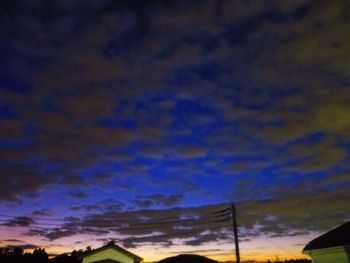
(235, 232)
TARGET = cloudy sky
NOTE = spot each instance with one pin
(137, 120)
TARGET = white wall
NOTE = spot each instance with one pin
(329, 255)
(108, 253)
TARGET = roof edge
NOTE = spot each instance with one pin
(324, 250)
(115, 247)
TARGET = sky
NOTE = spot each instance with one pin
(138, 120)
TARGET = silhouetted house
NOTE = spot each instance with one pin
(110, 253)
(331, 247)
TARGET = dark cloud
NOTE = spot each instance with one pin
(159, 200)
(261, 217)
(85, 208)
(78, 194)
(22, 221)
(193, 151)
(105, 205)
(21, 179)
(24, 246)
(177, 181)
(304, 213)
(339, 178)
(73, 180)
(42, 212)
(101, 177)
(58, 233)
(14, 240)
(205, 238)
(132, 226)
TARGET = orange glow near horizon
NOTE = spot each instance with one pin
(259, 249)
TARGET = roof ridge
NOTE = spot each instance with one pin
(116, 247)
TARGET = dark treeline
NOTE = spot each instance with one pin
(39, 255)
(291, 261)
(17, 255)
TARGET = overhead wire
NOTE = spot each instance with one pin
(125, 224)
(81, 224)
(213, 215)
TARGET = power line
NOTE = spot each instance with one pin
(226, 210)
(220, 216)
(91, 224)
(19, 220)
(211, 215)
(209, 226)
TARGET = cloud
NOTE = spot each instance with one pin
(19, 221)
(131, 226)
(42, 212)
(158, 200)
(78, 194)
(338, 178)
(304, 211)
(14, 240)
(58, 233)
(87, 101)
(21, 179)
(177, 181)
(24, 246)
(197, 225)
(189, 151)
(318, 155)
(73, 180)
(105, 205)
(101, 177)
(209, 237)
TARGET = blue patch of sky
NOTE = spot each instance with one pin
(204, 39)
(276, 93)
(117, 119)
(195, 199)
(29, 130)
(15, 144)
(47, 104)
(129, 38)
(210, 70)
(310, 138)
(7, 110)
(36, 61)
(123, 123)
(52, 167)
(212, 183)
(96, 169)
(13, 83)
(188, 106)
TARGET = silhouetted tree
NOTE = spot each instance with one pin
(40, 255)
(292, 261)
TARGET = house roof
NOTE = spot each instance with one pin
(107, 261)
(115, 247)
(339, 236)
